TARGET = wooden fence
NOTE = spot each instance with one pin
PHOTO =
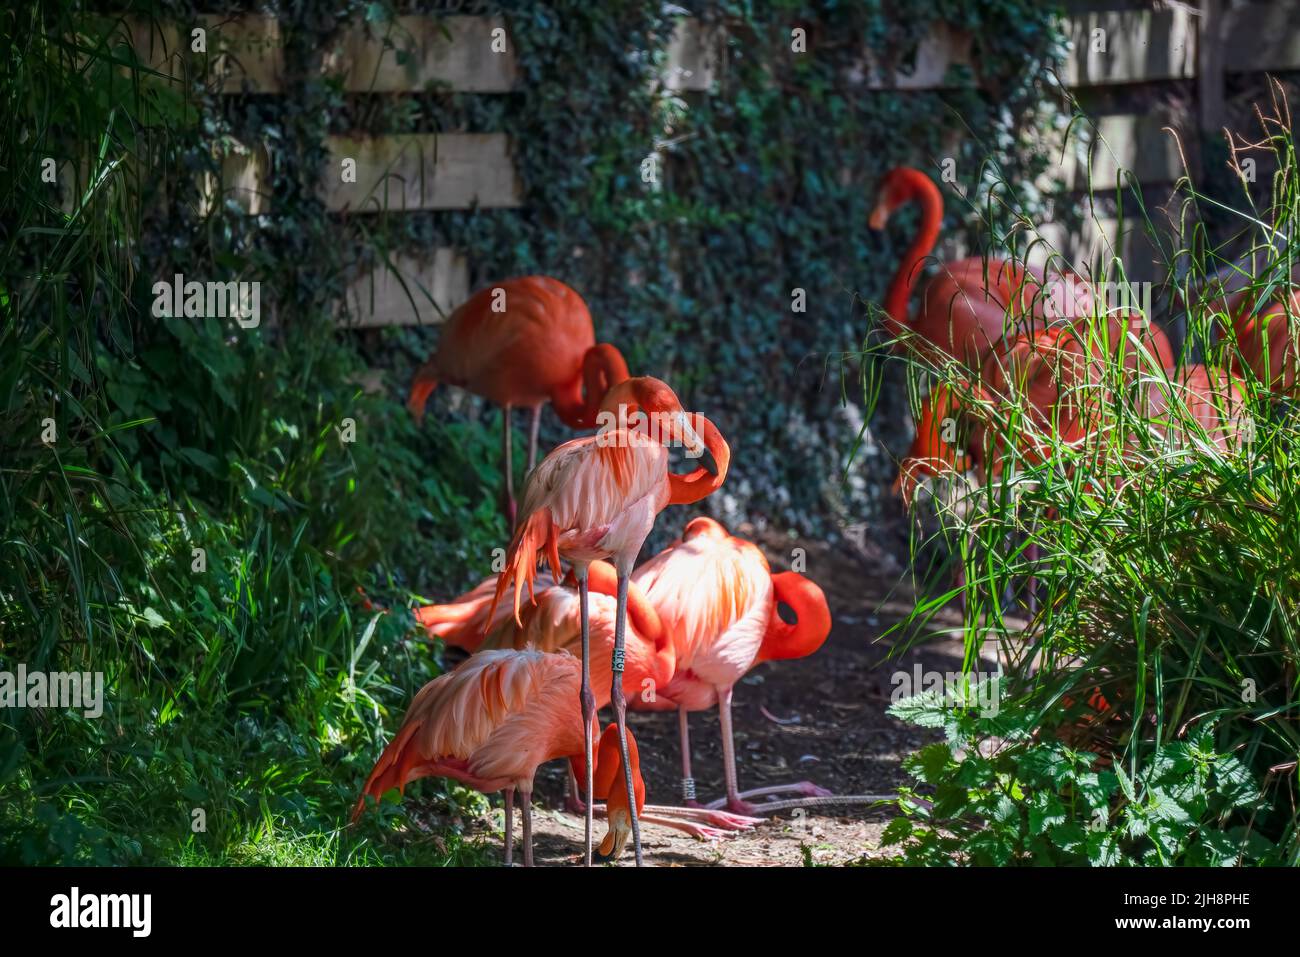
(1116, 48)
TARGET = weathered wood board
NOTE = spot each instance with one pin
(421, 171)
(436, 282)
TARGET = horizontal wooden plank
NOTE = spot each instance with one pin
(1136, 142)
(414, 53)
(1094, 242)
(430, 286)
(245, 52)
(241, 53)
(1130, 46)
(421, 171)
(943, 48)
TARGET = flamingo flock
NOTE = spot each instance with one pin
(676, 633)
(1011, 342)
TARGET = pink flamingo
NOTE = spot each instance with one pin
(523, 342)
(491, 723)
(717, 598)
(596, 498)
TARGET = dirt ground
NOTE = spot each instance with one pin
(832, 730)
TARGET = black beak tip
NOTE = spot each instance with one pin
(709, 463)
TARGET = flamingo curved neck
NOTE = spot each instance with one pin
(700, 483)
(813, 620)
(641, 614)
(920, 189)
(578, 401)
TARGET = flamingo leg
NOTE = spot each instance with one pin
(510, 826)
(507, 468)
(1031, 596)
(620, 707)
(572, 802)
(532, 437)
(688, 782)
(587, 701)
(526, 806)
(734, 800)
(715, 817)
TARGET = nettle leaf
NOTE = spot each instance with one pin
(1005, 810)
(929, 709)
(1045, 811)
(896, 832)
(1163, 806)
(1234, 782)
(976, 771)
(1125, 784)
(1071, 837)
(1096, 789)
(1103, 849)
(1214, 849)
(990, 848)
(930, 763)
(1045, 765)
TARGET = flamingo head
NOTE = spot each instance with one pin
(647, 404)
(895, 189)
(609, 782)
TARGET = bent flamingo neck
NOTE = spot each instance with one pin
(693, 486)
(920, 188)
(813, 620)
(578, 401)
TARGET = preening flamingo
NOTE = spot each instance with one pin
(717, 599)
(596, 498)
(554, 623)
(523, 342)
(491, 723)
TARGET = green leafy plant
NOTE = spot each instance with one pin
(1006, 790)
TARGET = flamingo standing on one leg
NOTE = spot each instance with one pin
(491, 723)
(596, 498)
(523, 342)
(717, 598)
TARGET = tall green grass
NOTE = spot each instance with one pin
(1168, 567)
(253, 689)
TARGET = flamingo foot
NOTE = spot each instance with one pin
(721, 820)
(701, 831)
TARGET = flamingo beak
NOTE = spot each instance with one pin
(620, 827)
(879, 216)
(695, 447)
